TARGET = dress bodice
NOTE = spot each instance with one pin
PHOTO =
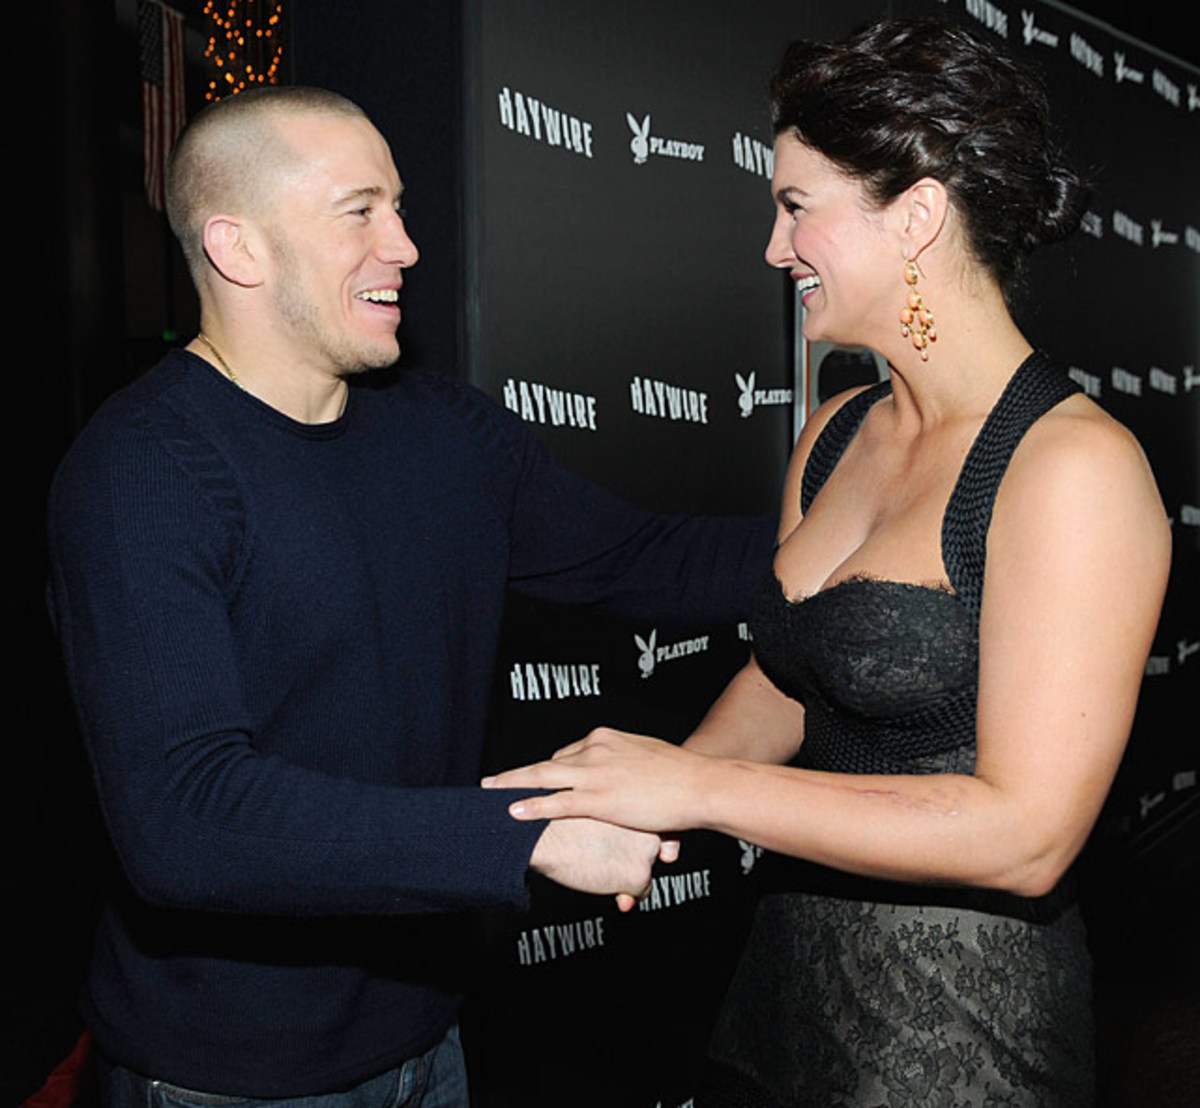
(875, 650)
(888, 671)
(858, 991)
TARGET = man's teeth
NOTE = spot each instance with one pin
(803, 284)
(380, 296)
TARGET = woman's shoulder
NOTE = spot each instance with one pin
(1079, 468)
(1078, 439)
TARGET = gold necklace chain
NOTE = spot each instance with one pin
(223, 363)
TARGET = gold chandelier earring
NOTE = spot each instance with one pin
(916, 320)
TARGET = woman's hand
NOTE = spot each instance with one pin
(632, 780)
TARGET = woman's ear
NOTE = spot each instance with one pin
(234, 249)
(921, 209)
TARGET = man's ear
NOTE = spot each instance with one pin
(921, 211)
(234, 249)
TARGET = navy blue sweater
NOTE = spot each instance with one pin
(281, 640)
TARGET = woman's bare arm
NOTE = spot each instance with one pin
(1077, 563)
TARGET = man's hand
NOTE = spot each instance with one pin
(595, 857)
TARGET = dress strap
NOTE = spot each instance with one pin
(835, 436)
(1035, 388)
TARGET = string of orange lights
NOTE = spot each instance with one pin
(244, 45)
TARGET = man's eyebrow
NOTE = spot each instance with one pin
(367, 192)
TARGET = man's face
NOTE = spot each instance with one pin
(337, 245)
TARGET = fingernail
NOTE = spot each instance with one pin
(487, 782)
(517, 809)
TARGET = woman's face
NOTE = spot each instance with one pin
(847, 269)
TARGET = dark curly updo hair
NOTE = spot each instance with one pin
(917, 98)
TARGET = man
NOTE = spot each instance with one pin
(279, 596)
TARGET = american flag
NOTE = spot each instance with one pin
(160, 49)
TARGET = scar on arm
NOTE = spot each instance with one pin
(937, 802)
(933, 801)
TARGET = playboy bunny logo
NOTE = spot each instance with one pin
(1160, 236)
(1029, 29)
(1032, 33)
(646, 659)
(1147, 803)
(750, 855)
(640, 143)
(746, 394)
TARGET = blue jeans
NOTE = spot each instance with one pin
(435, 1079)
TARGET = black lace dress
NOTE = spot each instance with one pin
(871, 993)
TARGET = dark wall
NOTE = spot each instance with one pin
(401, 63)
(105, 286)
(617, 248)
(65, 333)
(582, 272)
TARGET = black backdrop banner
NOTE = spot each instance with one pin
(620, 161)
(589, 183)
(620, 195)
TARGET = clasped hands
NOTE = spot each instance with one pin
(635, 786)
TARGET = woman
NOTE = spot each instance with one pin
(971, 563)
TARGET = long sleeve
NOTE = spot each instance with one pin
(573, 542)
(281, 640)
(276, 721)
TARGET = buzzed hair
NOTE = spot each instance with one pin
(231, 153)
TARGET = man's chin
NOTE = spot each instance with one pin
(381, 358)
